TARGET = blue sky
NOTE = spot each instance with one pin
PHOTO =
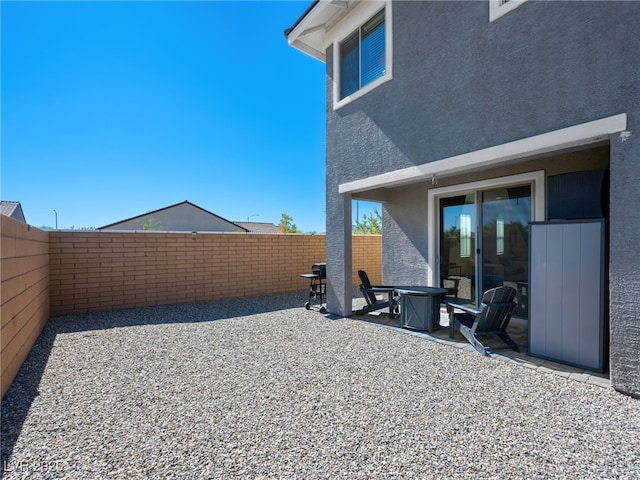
(114, 109)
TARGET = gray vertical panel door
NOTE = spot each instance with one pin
(591, 296)
(570, 268)
(537, 283)
(566, 288)
(554, 316)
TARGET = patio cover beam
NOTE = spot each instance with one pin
(565, 138)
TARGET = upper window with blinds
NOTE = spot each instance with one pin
(362, 45)
(362, 56)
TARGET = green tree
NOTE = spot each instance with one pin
(452, 232)
(286, 224)
(82, 229)
(149, 223)
(370, 224)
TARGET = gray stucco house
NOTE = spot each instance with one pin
(473, 121)
(180, 217)
(12, 209)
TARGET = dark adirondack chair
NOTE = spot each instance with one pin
(373, 302)
(491, 319)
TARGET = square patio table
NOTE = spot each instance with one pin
(420, 307)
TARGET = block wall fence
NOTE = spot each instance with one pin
(92, 271)
(69, 272)
(24, 292)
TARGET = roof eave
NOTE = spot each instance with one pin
(301, 18)
(312, 52)
(307, 34)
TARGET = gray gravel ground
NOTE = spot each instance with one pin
(261, 388)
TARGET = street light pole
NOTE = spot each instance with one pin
(56, 219)
(254, 215)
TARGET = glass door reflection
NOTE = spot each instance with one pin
(458, 247)
(506, 213)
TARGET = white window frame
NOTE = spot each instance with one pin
(358, 17)
(498, 8)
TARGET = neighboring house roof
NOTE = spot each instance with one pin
(259, 227)
(12, 209)
(181, 217)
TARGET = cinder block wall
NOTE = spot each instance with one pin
(367, 256)
(24, 292)
(93, 271)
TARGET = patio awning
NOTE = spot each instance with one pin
(577, 135)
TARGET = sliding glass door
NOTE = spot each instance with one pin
(484, 243)
(506, 213)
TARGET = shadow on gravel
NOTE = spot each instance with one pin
(18, 399)
(24, 390)
(178, 313)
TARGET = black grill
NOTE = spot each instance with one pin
(317, 286)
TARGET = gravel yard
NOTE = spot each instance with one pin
(262, 388)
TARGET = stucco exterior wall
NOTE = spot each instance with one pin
(461, 84)
(624, 265)
(404, 227)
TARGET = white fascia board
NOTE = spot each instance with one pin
(305, 48)
(577, 135)
(309, 35)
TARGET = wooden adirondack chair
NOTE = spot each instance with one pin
(491, 319)
(373, 303)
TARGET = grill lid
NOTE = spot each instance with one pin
(319, 269)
